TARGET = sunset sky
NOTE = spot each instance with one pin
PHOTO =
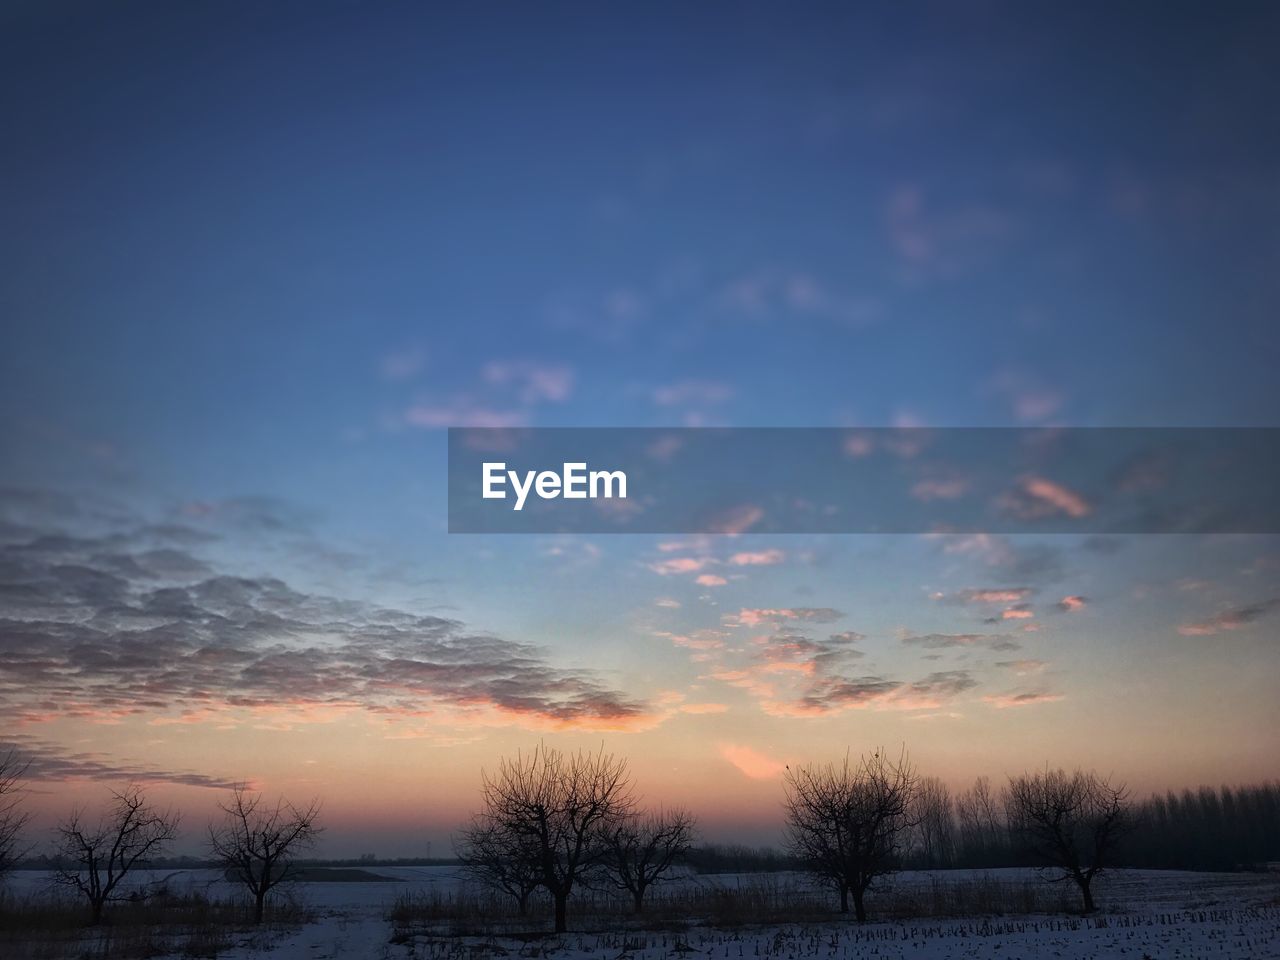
(257, 260)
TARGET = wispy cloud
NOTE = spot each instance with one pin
(1236, 618)
(1003, 701)
(940, 641)
(754, 616)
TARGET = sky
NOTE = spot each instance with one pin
(258, 257)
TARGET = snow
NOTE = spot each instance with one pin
(1146, 914)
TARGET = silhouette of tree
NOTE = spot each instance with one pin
(12, 817)
(1072, 823)
(559, 809)
(500, 859)
(846, 823)
(102, 854)
(642, 850)
(256, 845)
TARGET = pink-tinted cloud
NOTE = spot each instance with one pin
(757, 558)
(736, 520)
(711, 580)
(751, 762)
(1017, 613)
(754, 616)
(988, 595)
(1072, 603)
(1037, 497)
(678, 565)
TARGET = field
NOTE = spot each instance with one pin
(429, 913)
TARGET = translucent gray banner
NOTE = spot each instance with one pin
(877, 480)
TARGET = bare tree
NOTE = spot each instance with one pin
(95, 858)
(499, 859)
(1071, 822)
(847, 822)
(559, 808)
(12, 817)
(257, 844)
(935, 825)
(643, 848)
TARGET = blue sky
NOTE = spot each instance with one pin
(257, 259)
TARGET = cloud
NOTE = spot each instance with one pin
(49, 762)
(751, 762)
(94, 633)
(532, 382)
(926, 491)
(1018, 562)
(1071, 604)
(793, 675)
(766, 294)
(940, 641)
(933, 243)
(667, 602)
(710, 580)
(757, 558)
(702, 640)
(1022, 668)
(1233, 619)
(735, 520)
(754, 616)
(686, 393)
(402, 364)
(506, 397)
(462, 413)
(991, 595)
(1005, 700)
(1029, 399)
(678, 565)
(832, 694)
(1037, 497)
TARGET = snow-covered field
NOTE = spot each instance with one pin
(1145, 914)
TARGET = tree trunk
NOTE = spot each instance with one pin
(1087, 893)
(844, 898)
(259, 906)
(95, 912)
(562, 910)
(524, 902)
(859, 908)
(639, 899)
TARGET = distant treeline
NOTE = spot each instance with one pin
(738, 858)
(1227, 828)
